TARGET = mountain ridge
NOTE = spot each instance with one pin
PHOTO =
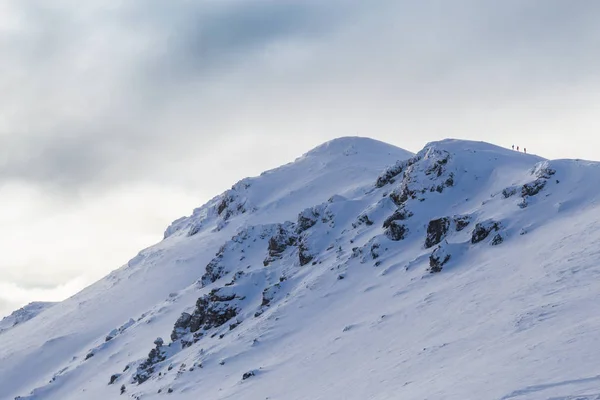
(264, 284)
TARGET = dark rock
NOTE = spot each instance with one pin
(483, 229)
(497, 239)
(123, 389)
(533, 188)
(544, 172)
(400, 214)
(438, 166)
(223, 205)
(402, 194)
(437, 259)
(214, 269)
(363, 219)
(374, 251)
(395, 170)
(212, 310)
(303, 254)
(436, 231)
(230, 206)
(89, 355)
(508, 192)
(181, 327)
(278, 244)
(248, 374)
(194, 229)
(146, 369)
(461, 222)
(307, 219)
(114, 378)
(396, 231)
(111, 335)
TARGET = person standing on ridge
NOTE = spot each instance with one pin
(525, 150)
(513, 146)
(517, 148)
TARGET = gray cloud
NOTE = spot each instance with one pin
(103, 99)
(115, 91)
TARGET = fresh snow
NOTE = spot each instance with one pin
(23, 314)
(359, 271)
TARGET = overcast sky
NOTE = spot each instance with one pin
(117, 117)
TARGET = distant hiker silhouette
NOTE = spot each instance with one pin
(517, 148)
(513, 146)
(524, 150)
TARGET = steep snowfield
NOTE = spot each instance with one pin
(465, 271)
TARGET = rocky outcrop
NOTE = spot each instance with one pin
(437, 167)
(362, 220)
(280, 242)
(461, 222)
(248, 375)
(436, 231)
(114, 378)
(400, 214)
(438, 259)
(509, 192)
(542, 172)
(309, 217)
(268, 295)
(390, 174)
(230, 206)
(396, 231)
(212, 310)
(483, 229)
(146, 368)
(429, 173)
(215, 269)
(181, 326)
(304, 255)
(497, 239)
(402, 194)
(533, 188)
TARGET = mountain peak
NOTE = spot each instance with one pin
(352, 145)
(343, 166)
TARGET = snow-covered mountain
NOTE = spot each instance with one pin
(23, 314)
(359, 271)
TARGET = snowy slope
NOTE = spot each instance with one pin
(154, 275)
(465, 271)
(23, 314)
